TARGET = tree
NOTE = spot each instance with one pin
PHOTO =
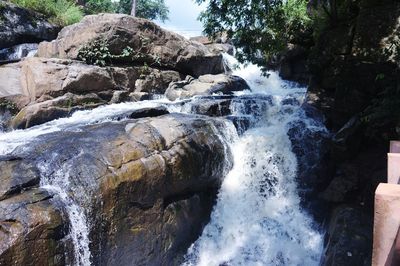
(133, 9)
(150, 9)
(259, 28)
(98, 6)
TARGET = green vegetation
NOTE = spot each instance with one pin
(66, 12)
(8, 105)
(98, 53)
(61, 12)
(150, 9)
(100, 6)
(260, 29)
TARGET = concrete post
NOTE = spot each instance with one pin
(386, 224)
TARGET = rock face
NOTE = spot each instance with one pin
(349, 238)
(46, 89)
(19, 25)
(351, 70)
(32, 229)
(206, 85)
(151, 44)
(147, 187)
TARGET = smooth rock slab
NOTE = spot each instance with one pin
(205, 85)
(147, 186)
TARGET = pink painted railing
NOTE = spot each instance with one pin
(386, 248)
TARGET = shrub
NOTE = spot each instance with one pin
(98, 53)
(61, 12)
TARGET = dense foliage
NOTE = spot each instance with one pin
(259, 28)
(62, 12)
(384, 112)
(100, 6)
(66, 12)
(150, 9)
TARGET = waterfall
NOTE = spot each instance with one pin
(59, 183)
(257, 219)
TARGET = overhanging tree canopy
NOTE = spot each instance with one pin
(150, 9)
(259, 28)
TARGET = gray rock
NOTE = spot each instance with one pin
(349, 238)
(19, 25)
(153, 45)
(147, 184)
(206, 85)
(42, 112)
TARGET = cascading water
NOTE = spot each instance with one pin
(59, 183)
(257, 219)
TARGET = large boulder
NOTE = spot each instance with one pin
(205, 85)
(32, 230)
(19, 25)
(42, 112)
(146, 186)
(155, 81)
(42, 77)
(150, 43)
(44, 89)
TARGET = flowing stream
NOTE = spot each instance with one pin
(257, 219)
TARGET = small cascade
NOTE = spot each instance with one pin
(59, 182)
(18, 52)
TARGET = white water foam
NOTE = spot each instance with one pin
(258, 219)
(58, 181)
(16, 138)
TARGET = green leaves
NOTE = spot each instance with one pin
(95, 53)
(100, 6)
(150, 9)
(98, 53)
(259, 28)
(62, 12)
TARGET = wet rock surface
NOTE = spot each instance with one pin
(148, 185)
(46, 89)
(349, 237)
(31, 229)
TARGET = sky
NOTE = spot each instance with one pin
(183, 17)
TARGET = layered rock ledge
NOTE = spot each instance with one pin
(147, 187)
